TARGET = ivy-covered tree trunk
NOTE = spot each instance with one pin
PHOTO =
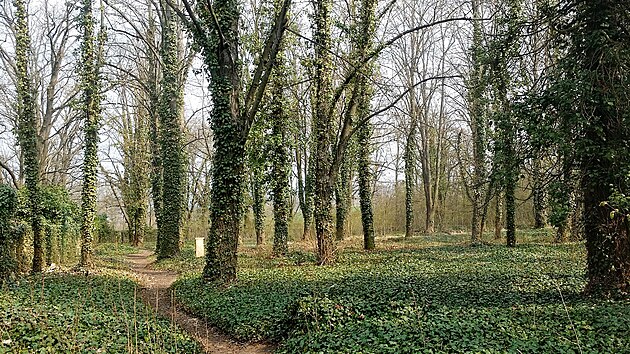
(498, 215)
(215, 30)
(364, 41)
(601, 50)
(281, 163)
(9, 261)
(305, 188)
(508, 166)
(479, 127)
(27, 134)
(365, 178)
(410, 176)
(171, 140)
(91, 57)
(538, 194)
(323, 133)
(228, 168)
(307, 207)
(258, 203)
(343, 196)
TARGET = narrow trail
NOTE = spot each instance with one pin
(156, 292)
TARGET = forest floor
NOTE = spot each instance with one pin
(157, 293)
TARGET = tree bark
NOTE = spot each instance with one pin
(27, 136)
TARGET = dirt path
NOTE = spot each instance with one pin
(156, 293)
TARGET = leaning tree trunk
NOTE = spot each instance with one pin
(27, 135)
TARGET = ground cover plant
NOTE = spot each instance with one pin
(97, 312)
(411, 298)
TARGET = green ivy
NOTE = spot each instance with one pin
(439, 299)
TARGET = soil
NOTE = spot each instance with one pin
(156, 292)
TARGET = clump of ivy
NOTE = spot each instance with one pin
(8, 207)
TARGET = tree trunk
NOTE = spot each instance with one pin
(478, 126)
(307, 210)
(258, 204)
(323, 133)
(90, 61)
(603, 48)
(343, 195)
(365, 185)
(27, 136)
(498, 215)
(538, 195)
(281, 168)
(409, 158)
(171, 141)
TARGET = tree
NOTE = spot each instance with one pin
(363, 38)
(478, 190)
(323, 132)
(596, 68)
(281, 159)
(506, 48)
(215, 31)
(27, 135)
(170, 112)
(89, 72)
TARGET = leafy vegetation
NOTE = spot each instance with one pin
(449, 298)
(98, 313)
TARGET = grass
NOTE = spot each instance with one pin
(427, 294)
(76, 313)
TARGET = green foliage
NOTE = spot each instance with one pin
(59, 222)
(103, 229)
(8, 207)
(87, 314)
(440, 299)
(8, 204)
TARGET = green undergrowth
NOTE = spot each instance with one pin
(185, 262)
(113, 255)
(435, 299)
(77, 313)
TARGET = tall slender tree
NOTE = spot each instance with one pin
(171, 139)
(91, 59)
(479, 128)
(281, 160)
(27, 129)
(364, 41)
